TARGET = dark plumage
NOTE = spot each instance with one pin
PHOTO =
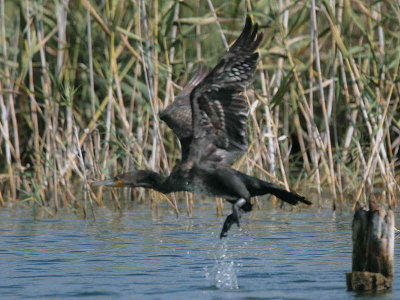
(209, 116)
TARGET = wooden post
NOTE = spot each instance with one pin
(373, 249)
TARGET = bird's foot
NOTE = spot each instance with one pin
(227, 225)
(233, 218)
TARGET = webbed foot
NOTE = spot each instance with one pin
(227, 225)
(233, 218)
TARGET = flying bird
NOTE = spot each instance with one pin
(209, 117)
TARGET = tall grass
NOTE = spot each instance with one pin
(82, 82)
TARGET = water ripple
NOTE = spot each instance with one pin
(276, 255)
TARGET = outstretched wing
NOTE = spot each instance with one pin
(178, 115)
(219, 109)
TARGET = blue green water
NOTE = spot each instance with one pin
(278, 254)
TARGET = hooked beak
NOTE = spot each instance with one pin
(108, 182)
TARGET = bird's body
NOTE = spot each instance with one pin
(209, 116)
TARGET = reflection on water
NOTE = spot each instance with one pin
(278, 255)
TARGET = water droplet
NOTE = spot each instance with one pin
(223, 273)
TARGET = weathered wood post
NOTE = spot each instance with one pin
(373, 249)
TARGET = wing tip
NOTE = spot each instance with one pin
(250, 36)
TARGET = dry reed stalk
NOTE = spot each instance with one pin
(322, 99)
(307, 114)
(335, 73)
(338, 164)
(90, 57)
(382, 131)
(349, 62)
(269, 133)
(34, 108)
(198, 34)
(86, 187)
(278, 74)
(221, 33)
(95, 15)
(10, 105)
(313, 154)
(361, 102)
(7, 143)
(169, 96)
(148, 70)
(51, 111)
(2, 200)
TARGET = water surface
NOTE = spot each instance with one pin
(133, 255)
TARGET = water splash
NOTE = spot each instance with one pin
(223, 274)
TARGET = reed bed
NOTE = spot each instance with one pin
(82, 82)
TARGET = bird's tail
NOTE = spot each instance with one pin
(258, 187)
(289, 197)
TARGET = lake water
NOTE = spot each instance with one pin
(278, 254)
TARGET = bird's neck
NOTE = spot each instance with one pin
(160, 183)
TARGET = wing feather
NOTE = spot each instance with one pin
(219, 109)
(178, 115)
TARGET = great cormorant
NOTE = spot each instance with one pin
(209, 116)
